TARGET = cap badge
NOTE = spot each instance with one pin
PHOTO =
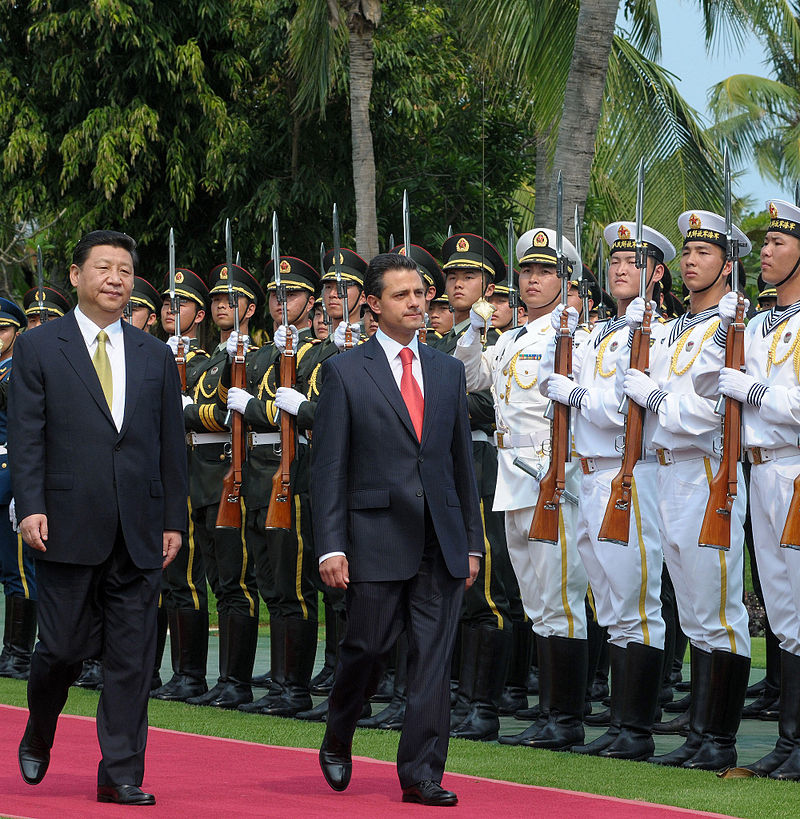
(623, 232)
(223, 274)
(402, 251)
(540, 239)
(178, 277)
(462, 245)
(773, 211)
(285, 266)
(694, 221)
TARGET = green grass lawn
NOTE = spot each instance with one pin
(688, 789)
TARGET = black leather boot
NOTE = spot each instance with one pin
(19, 637)
(698, 712)
(91, 675)
(729, 676)
(188, 630)
(322, 682)
(616, 656)
(643, 673)
(678, 706)
(515, 691)
(788, 724)
(767, 690)
(277, 659)
(299, 650)
(542, 646)
(243, 636)
(679, 726)
(482, 722)
(391, 718)
(466, 675)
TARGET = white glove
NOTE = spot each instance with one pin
(187, 399)
(638, 386)
(289, 400)
(339, 334)
(280, 337)
(727, 309)
(238, 399)
(233, 342)
(561, 389)
(477, 322)
(634, 315)
(740, 386)
(12, 515)
(172, 343)
(572, 318)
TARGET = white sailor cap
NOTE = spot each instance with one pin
(704, 226)
(539, 246)
(622, 236)
(784, 217)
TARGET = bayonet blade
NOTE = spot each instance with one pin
(513, 292)
(40, 284)
(641, 256)
(406, 225)
(171, 251)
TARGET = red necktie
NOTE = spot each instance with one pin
(412, 395)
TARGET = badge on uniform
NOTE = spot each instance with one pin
(530, 356)
(787, 338)
(613, 346)
(213, 370)
(689, 345)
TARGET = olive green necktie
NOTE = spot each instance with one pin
(103, 366)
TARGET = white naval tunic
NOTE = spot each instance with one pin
(551, 577)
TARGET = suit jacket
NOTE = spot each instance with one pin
(371, 477)
(70, 462)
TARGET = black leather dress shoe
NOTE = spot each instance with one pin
(431, 793)
(124, 795)
(34, 757)
(336, 762)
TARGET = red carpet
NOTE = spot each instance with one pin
(279, 782)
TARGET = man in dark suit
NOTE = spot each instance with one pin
(96, 439)
(401, 537)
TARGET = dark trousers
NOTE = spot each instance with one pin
(427, 606)
(107, 610)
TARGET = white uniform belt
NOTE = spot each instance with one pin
(198, 438)
(480, 435)
(262, 438)
(760, 455)
(589, 465)
(510, 440)
(674, 456)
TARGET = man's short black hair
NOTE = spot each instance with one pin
(104, 237)
(373, 280)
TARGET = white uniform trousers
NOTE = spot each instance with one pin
(771, 488)
(625, 580)
(708, 582)
(551, 577)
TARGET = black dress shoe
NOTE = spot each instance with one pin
(34, 757)
(336, 762)
(428, 792)
(124, 795)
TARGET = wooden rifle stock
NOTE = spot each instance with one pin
(617, 519)
(544, 525)
(279, 513)
(716, 529)
(180, 361)
(229, 515)
(790, 539)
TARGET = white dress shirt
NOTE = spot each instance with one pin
(115, 347)
(392, 349)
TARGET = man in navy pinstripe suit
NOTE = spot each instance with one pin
(402, 538)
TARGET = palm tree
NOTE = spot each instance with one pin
(316, 42)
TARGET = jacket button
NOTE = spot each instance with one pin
(420, 493)
(117, 448)
(421, 459)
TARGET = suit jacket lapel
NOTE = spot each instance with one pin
(377, 367)
(73, 347)
(135, 365)
(431, 372)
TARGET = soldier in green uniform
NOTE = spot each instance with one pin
(472, 267)
(145, 304)
(226, 555)
(16, 558)
(55, 301)
(440, 316)
(184, 595)
(284, 559)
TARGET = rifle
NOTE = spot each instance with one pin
(602, 310)
(341, 285)
(229, 515)
(279, 513)
(617, 519)
(175, 306)
(552, 486)
(40, 285)
(716, 529)
(513, 290)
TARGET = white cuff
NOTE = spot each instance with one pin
(330, 554)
